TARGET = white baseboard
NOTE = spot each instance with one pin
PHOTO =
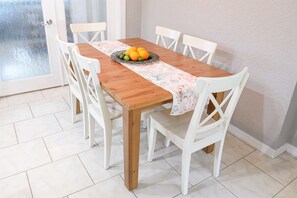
(292, 149)
(270, 152)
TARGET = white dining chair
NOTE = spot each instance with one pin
(74, 88)
(195, 130)
(166, 33)
(101, 107)
(79, 28)
(191, 42)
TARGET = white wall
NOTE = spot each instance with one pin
(259, 34)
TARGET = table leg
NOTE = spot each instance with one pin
(77, 106)
(219, 97)
(131, 147)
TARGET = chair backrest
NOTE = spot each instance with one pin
(173, 35)
(191, 42)
(80, 28)
(66, 61)
(88, 70)
(206, 88)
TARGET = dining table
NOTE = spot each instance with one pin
(136, 94)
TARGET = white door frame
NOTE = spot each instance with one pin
(40, 82)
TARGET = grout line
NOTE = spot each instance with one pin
(285, 186)
(177, 195)
(64, 99)
(58, 122)
(85, 168)
(91, 185)
(43, 93)
(132, 191)
(31, 110)
(29, 184)
(36, 138)
(47, 150)
(16, 135)
(265, 172)
(224, 186)
(243, 157)
(47, 163)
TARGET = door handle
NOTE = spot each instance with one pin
(48, 22)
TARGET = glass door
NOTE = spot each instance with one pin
(29, 57)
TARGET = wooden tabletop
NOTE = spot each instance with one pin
(133, 91)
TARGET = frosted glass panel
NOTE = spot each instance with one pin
(84, 11)
(23, 49)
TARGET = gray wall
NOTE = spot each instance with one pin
(133, 18)
(294, 139)
(292, 113)
(259, 34)
(290, 124)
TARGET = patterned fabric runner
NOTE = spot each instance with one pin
(179, 83)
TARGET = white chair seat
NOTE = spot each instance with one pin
(175, 127)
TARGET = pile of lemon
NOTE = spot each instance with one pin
(135, 54)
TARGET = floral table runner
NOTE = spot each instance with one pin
(179, 83)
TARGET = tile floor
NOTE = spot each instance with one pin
(43, 154)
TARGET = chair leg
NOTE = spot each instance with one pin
(144, 124)
(152, 142)
(86, 122)
(148, 130)
(107, 146)
(91, 130)
(218, 157)
(186, 161)
(73, 107)
(167, 142)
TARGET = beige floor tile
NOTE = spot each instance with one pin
(289, 192)
(201, 165)
(59, 178)
(209, 188)
(56, 92)
(282, 168)
(7, 135)
(25, 98)
(3, 102)
(158, 179)
(234, 149)
(15, 187)
(14, 114)
(111, 188)
(65, 119)
(68, 143)
(48, 106)
(245, 180)
(93, 161)
(22, 157)
(36, 128)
